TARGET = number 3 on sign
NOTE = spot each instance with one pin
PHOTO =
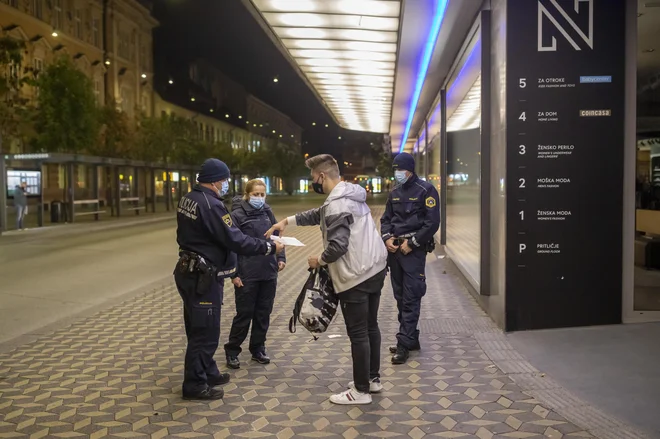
(522, 150)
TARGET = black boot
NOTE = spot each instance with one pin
(417, 347)
(206, 395)
(401, 355)
(223, 378)
(261, 358)
(233, 363)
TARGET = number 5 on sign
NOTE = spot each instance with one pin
(523, 82)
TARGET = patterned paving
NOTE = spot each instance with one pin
(118, 374)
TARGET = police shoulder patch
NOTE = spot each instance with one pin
(227, 220)
(430, 202)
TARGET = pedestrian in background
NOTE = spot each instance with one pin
(21, 205)
(255, 281)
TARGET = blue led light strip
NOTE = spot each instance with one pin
(441, 8)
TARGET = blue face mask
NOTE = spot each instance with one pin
(257, 202)
(223, 189)
(400, 177)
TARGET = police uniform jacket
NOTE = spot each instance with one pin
(205, 227)
(255, 223)
(412, 211)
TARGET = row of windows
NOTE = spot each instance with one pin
(82, 22)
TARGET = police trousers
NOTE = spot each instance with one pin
(359, 306)
(408, 276)
(254, 304)
(201, 316)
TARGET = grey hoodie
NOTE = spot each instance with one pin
(353, 249)
(20, 197)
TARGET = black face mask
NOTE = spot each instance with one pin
(318, 188)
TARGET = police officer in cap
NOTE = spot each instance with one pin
(208, 242)
(411, 218)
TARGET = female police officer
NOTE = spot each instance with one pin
(255, 281)
(208, 241)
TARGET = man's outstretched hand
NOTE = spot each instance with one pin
(277, 227)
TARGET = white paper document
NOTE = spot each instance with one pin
(287, 240)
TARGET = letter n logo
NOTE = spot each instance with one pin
(581, 7)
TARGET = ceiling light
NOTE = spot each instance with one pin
(54, 34)
(144, 76)
(648, 50)
(170, 82)
(347, 49)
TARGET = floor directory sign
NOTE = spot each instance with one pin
(565, 140)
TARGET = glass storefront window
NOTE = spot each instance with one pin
(647, 204)
(463, 211)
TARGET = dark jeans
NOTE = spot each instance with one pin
(201, 316)
(407, 273)
(359, 305)
(254, 304)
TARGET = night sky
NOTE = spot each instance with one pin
(227, 35)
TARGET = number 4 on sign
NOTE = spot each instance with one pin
(523, 116)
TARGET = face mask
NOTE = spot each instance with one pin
(318, 187)
(257, 202)
(400, 176)
(224, 188)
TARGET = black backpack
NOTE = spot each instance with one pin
(317, 303)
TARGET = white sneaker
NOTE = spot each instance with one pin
(351, 397)
(374, 386)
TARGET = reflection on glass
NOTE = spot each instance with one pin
(647, 203)
(463, 200)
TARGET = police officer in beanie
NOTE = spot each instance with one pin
(208, 242)
(411, 218)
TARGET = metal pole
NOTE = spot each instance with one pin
(168, 190)
(443, 167)
(40, 210)
(3, 190)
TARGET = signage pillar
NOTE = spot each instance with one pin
(565, 144)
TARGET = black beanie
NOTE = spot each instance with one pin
(404, 162)
(213, 170)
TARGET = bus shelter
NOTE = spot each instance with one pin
(65, 188)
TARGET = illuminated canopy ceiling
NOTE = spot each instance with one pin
(346, 49)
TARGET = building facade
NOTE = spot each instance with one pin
(110, 41)
(268, 121)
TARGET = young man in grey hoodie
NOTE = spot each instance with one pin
(356, 258)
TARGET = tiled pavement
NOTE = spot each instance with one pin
(118, 374)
